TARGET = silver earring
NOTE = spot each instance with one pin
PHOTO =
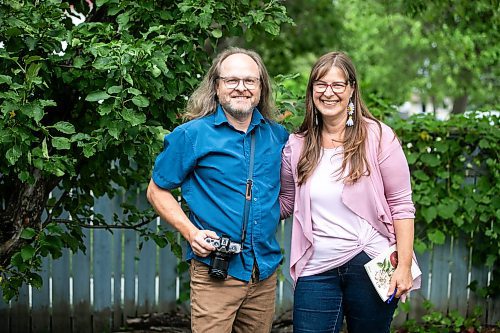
(316, 118)
(350, 112)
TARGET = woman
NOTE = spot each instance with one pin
(346, 181)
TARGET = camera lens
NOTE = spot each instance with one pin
(219, 265)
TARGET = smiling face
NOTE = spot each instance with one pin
(332, 102)
(238, 102)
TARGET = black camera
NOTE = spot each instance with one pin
(224, 248)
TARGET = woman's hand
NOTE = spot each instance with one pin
(401, 279)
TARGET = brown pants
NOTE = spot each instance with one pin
(230, 305)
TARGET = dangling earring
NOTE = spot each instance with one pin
(350, 112)
(316, 117)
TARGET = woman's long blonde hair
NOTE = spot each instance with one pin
(204, 100)
(354, 137)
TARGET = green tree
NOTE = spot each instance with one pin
(436, 49)
(458, 42)
(385, 48)
(84, 108)
(315, 31)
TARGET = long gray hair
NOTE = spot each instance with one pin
(203, 101)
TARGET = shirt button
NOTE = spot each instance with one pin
(254, 199)
(255, 222)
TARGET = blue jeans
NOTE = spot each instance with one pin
(321, 301)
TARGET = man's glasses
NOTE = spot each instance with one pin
(337, 87)
(249, 83)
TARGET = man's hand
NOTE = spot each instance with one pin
(198, 244)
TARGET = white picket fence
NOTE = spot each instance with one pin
(96, 292)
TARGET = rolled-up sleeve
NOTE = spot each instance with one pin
(287, 190)
(176, 161)
(396, 177)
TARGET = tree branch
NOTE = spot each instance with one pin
(82, 224)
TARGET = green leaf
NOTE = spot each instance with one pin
(104, 64)
(217, 33)
(123, 20)
(133, 117)
(155, 71)
(272, 28)
(64, 127)
(115, 129)
(35, 280)
(441, 146)
(32, 71)
(75, 42)
(32, 58)
(140, 101)
(97, 96)
(115, 89)
(429, 213)
(25, 176)
(45, 150)
(104, 109)
(27, 252)
(160, 241)
(28, 233)
(61, 143)
(53, 228)
(134, 91)
(47, 102)
(258, 16)
(420, 246)
(99, 3)
(54, 245)
(249, 35)
(483, 143)
(88, 150)
(431, 160)
(182, 267)
(490, 260)
(5, 79)
(78, 62)
(80, 137)
(34, 111)
(420, 175)
(436, 236)
(129, 79)
(13, 154)
(447, 210)
(17, 260)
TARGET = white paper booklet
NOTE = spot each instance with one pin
(381, 268)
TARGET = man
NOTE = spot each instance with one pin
(209, 158)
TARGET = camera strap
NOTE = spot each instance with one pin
(248, 190)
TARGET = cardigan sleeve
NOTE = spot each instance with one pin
(395, 176)
(287, 190)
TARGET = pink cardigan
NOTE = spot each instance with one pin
(380, 198)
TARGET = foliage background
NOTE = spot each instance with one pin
(85, 107)
(437, 49)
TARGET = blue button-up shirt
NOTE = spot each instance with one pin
(209, 159)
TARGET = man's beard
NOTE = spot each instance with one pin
(238, 113)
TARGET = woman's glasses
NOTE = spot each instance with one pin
(337, 87)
